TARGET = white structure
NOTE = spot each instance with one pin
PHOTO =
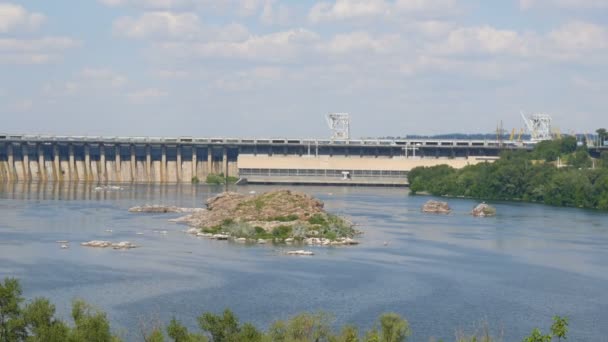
(539, 126)
(339, 123)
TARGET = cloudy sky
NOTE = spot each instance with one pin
(268, 68)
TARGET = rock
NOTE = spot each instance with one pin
(300, 252)
(289, 240)
(123, 245)
(105, 244)
(483, 210)
(162, 209)
(193, 231)
(436, 207)
(206, 235)
(261, 241)
(64, 246)
(97, 243)
(349, 241)
(240, 240)
(220, 236)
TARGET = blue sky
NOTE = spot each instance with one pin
(268, 68)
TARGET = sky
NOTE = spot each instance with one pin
(272, 68)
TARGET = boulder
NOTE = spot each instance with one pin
(483, 210)
(436, 207)
(300, 252)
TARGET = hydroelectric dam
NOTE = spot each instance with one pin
(106, 160)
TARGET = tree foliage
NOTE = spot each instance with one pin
(520, 175)
(36, 322)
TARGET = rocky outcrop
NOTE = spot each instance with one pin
(276, 216)
(483, 210)
(436, 207)
(105, 244)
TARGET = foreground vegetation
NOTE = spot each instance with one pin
(35, 321)
(219, 179)
(525, 176)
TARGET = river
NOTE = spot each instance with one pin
(444, 273)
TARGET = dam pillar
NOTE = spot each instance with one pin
(71, 164)
(117, 162)
(149, 163)
(209, 160)
(87, 163)
(178, 163)
(194, 161)
(25, 162)
(11, 162)
(102, 161)
(163, 163)
(133, 163)
(41, 166)
(225, 162)
(57, 172)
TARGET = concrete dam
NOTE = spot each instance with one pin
(179, 160)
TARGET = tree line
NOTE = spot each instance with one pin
(35, 321)
(556, 172)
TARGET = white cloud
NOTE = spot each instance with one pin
(273, 13)
(357, 9)
(88, 80)
(428, 6)
(13, 17)
(347, 9)
(145, 95)
(34, 51)
(577, 36)
(572, 4)
(360, 41)
(481, 40)
(103, 76)
(159, 24)
(278, 46)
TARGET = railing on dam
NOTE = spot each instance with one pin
(413, 143)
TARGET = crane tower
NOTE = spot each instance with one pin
(539, 126)
(339, 123)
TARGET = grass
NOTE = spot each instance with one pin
(219, 179)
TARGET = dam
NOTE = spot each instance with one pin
(273, 160)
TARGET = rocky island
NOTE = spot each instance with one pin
(436, 207)
(281, 216)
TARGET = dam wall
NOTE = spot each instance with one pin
(182, 160)
(117, 164)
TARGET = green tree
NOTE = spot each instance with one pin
(537, 336)
(12, 324)
(349, 333)
(222, 328)
(180, 333)
(90, 324)
(602, 134)
(604, 159)
(41, 323)
(559, 328)
(393, 328)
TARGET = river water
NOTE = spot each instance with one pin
(444, 273)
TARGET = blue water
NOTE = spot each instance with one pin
(445, 274)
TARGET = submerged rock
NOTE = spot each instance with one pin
(436, 207)
(300, 252)
(105, 244)
(483, 210)
(161, 209)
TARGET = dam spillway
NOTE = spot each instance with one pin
(276, 160)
